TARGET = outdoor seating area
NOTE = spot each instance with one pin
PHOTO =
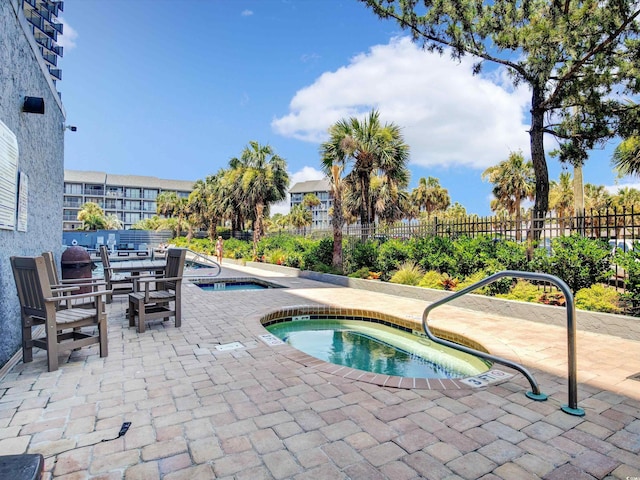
(216, 399)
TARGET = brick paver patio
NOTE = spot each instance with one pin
(254, 413)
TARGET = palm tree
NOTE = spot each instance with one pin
(513, 181)
(333, 164)
(628, 198)
(430, 196)
(561, 195)
(203, 205)
(389, 198)
(299, 217)
(113, 222)
(166, 203)
(373, 149)
(626, 157)
(92, 217)
(263, 180)
(596, 197)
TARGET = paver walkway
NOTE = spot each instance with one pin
(252, 413)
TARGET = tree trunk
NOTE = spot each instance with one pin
(257, 226)
(536, 136)
(578, 197)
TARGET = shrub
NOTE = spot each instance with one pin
(234, 248)
(363, 254)
(630, 262)
(391, 255)
(511, 255)
(448, 282)
(523, 291)
(598, 298)
(432, 279)
(472, 254)
(408, 274)
(433, 253)
(579, 261)
(363, 272)
(471, 279)
(318, 252)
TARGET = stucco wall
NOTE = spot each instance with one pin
(41, 158)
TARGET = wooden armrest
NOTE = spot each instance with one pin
(63, 289)
(79, 285)
(81, 280)
(80, 295)
(158, 278)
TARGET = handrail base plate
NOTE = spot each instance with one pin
(578, 412)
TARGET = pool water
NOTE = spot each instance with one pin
(231, 286)
(377, 348)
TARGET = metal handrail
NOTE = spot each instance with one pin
(572, 406)
(204, 259)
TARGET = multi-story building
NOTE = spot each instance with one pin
(42, 15)
(320, 213)
(130, 197)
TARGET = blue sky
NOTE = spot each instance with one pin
(176, 88)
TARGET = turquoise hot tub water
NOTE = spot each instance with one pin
(377, 348)
(231, 286)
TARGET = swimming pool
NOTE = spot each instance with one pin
(377, 349)
(374, 343)
(233, 284)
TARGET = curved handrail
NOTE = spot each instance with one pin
(572, 406)
(206, 260)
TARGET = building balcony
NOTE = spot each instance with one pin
(56, 73)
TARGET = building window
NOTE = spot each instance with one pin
(150, 194)
(73, 188)
(132, 192)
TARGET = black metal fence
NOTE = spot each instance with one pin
(620, 224)
(620, 227)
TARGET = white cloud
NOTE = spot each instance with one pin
(247, 13)
(306, 174)
(614, 189)
(68, 37)
(449, 116)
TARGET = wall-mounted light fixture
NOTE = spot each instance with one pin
(73, 128)
(33, 105)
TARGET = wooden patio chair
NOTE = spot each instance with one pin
(62, 327)
(154, 294)
(118, 283)
(64, 287)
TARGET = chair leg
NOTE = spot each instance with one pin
(131, 313)
(141, 316)
(102, 332)
(27, 343)
(178, 312)
(52, 347)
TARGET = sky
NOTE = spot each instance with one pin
(176, 88)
